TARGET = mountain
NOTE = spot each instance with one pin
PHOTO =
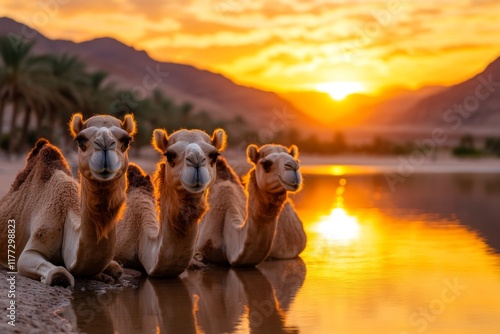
(471, 104)
(394, 110)
(212, 92)
(360, 109)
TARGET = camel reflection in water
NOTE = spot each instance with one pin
(216, 300)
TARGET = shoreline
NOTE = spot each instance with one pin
(312, 164)
(42, 308)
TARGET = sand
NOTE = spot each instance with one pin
(37, 306)
(46, 309)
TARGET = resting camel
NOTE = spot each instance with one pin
(240, 226)
(290, 239)
(63, 229)
(158, 232)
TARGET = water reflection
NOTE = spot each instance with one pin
(338, 226)
(217, 300)
(412, 246)
(424, 258)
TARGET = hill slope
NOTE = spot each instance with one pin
(208, 91)
(472, 103)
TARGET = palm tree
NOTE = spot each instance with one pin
(99, 94)
(22, 83)
(68, 83)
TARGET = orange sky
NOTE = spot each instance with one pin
(290, 44)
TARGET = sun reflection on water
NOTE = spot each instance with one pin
(339, 226)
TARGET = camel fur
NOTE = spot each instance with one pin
(158, 231)
(240, 227)
(63, 228)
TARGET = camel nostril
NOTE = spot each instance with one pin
(292, 165)
(104, 145)
(195, 162)
(99, 146)
(191, 162)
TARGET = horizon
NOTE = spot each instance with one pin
(371, 48)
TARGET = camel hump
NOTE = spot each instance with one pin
(137, 178)
(44, 159)
(225, 172)
(40, 143)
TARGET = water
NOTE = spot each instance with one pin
(421, 258)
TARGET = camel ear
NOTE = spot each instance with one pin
(219, 139)
(76, 124)
(294, 151)
(253, 153)
(160, 140)
(129, 125)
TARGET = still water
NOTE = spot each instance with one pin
(422, 257)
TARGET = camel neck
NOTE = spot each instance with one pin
(179, 208)
(171, 250)
(89, 247)
(251, 243)
(102, 203)
(263, 206)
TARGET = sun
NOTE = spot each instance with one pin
(338, 90)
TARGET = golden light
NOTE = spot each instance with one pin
(338, 90)
(339, 226)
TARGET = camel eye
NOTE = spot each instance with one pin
(126, 142)
(80, 140)
(171, 155)
(213, 157)
(266, 164)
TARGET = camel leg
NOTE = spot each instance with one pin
(42, 249)
(197, 262)
(114, 270)
(110, 274)
(34, 265)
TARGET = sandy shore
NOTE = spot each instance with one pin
(46, 309)
(37, 306)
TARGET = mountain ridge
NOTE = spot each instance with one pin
(473, 102)
(206, 90)
(224, 99)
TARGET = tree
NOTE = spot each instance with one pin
(466, 147)
(22, 76)
(339, 143)
(99, 94)
(69, 84)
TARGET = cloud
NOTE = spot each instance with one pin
(288, 42)
(156, 10)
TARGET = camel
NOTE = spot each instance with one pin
(63, 229)
(158, 231)
(290, 239)
(240, 227)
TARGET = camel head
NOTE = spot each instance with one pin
(276, 167)
(103, 143)
(190, 157)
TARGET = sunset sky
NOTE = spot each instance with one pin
(341, 46)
